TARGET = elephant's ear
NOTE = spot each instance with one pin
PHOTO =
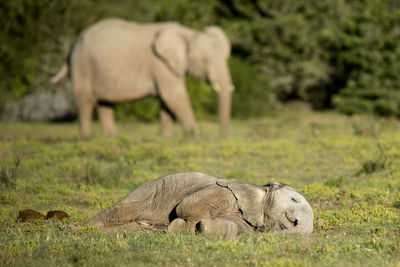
(170, 46)
(250, 199)
(219, 40)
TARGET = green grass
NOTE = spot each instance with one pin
(347, 167)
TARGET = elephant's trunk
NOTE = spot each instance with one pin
(224, 110)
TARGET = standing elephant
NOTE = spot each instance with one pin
(115, 61)
(197, 202)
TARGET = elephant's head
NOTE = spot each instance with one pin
(273, 205)
(288, 209)
(202, 54)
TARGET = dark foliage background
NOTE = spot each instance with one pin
(330, 53)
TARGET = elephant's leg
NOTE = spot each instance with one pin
(180, 225)
(166, 123)
(195, 210)
(85, 118)
(106, 116)
(84, 99)
(178, 102)
(218, 226)
(113, 217)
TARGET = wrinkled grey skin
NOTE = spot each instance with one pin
(197, 202)
(115, 61)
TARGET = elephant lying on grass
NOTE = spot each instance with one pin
(197, 202)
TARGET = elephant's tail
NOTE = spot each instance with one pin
(61, 74)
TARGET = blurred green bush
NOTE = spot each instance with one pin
(340, 54)
(253, 96)
(330, 53)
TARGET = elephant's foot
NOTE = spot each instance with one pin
(218, 226)
(85, 118)
(180, 225)
(108, 128)
(166, 123)
(85, 132)
(106, 117)
(191, 131)
(109, 132)
(166, 133)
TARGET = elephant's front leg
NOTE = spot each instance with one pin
(219, 226)
(166, 123)
(175, 97)
(180, 225)
(195, 210)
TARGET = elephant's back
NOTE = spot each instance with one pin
(171, 187)
(114, 28)
(110, 23)
(116, 58)
(114, 31)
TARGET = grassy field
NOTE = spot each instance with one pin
(347, 167)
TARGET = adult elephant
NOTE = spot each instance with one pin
(197, 202)
(115, 61)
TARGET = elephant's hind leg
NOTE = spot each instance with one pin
(83, 93)
(112, 218)
(106, 116)
(85, 118)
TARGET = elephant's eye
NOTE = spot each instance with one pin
(295, 200)
(295, 223)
